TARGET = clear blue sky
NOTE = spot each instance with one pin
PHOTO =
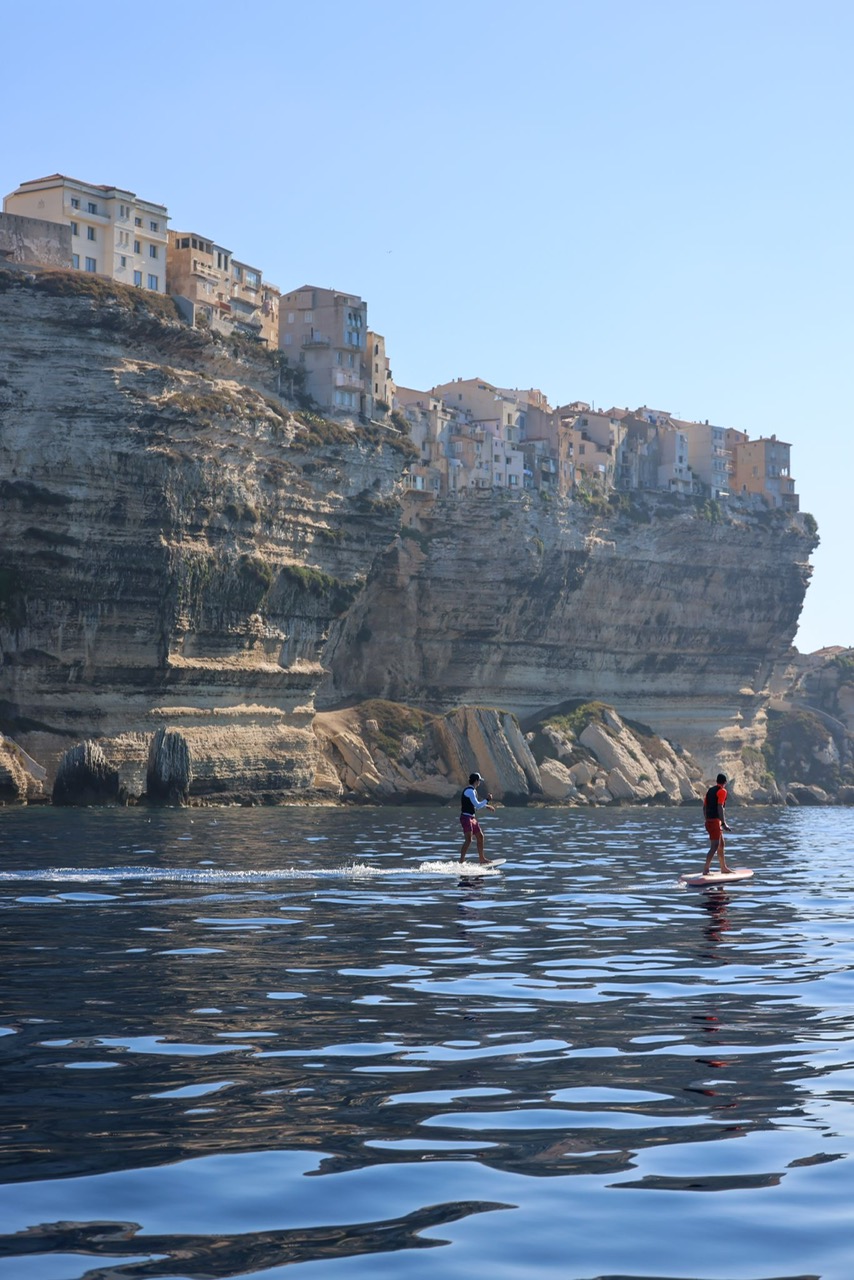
(622, 201)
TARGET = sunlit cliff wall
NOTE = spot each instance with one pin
(179, 547)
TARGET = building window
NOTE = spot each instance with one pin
(137, 222)
(75, 230)
(155, 226)
(91, 264)
(308, 317)
(137, 247)
(253, 279)
(123, 261)
(75, 203)
(137, 277)
(289, 338)
(290, 317)
(92, 207)
(237, 271)
(75, 261)
(90, 233)
(152, 251)
(153, 282)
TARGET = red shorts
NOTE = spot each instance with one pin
(470, 825)
(714, 828)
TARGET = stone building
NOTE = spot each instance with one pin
(378, 372)
(34, 242)
(325, 332)
(207, 280)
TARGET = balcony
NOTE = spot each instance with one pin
(316, 340)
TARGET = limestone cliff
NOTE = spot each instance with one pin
(182, 548)
(675, 612)
(175, 541)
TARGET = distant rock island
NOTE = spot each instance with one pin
(209, 594)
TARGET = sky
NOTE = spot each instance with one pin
(626, 202)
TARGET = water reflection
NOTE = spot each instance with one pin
(247, 983)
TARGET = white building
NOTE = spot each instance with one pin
(113, 232)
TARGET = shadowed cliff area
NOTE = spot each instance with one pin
(184, 549)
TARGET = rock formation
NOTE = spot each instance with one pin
(85, 777)
(185, 551)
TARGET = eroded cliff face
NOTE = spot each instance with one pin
(181, 549)
(175, 541)
(674, 612)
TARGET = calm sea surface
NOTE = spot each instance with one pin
(293, 1042)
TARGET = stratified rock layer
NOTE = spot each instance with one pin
(174, 541)
(673, 611)
(180, 550)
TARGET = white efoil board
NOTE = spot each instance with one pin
(719, 877)
(469, 868)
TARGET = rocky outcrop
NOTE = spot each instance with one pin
(169, 772)
(21, 777)
(85, 777)
(381, 751)
(591, 755)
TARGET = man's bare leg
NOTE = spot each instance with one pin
(484, 860)
(721, 859)
(465, 847)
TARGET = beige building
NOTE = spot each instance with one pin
(594, 441)
(114, 233)
(378, 372)
(487, 442)
(709, 456)
(255, 303)
(207, 280)
(325, 332)
(762, 467)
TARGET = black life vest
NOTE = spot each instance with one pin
(466, 804)
(710, 804)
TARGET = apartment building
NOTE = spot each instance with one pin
(255, 303)
(487, 441)
(763, 467)
(709, 457)
(199, 276)
(594, 440)
(114, 233)
(325, 332)
(207, 281)
(431, 423)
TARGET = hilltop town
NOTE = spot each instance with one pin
(468, 433)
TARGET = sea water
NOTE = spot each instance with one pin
(296, 1042)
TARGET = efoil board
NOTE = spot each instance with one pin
(718, 877)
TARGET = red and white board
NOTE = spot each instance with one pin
(719, 877)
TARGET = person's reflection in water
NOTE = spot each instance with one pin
(716, 902)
